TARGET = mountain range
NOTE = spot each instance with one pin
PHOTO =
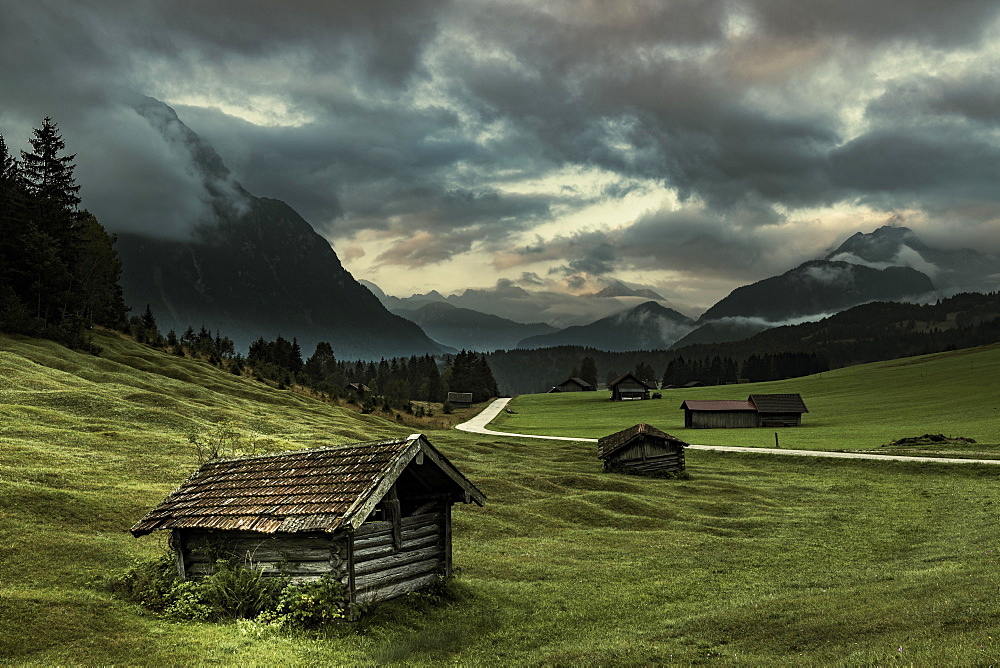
(257, 270)
(464, 328)
(887, 264)
(646, 327)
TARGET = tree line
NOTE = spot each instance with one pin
(867, 333)
(392, 384)
(59, 271)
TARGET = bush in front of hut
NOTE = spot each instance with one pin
(235, 591)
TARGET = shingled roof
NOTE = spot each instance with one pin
(612, 443)
(321, 489)
(779, 403)
(629, 374)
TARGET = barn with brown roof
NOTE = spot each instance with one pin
(573, 385)
(628, 387)
(759, 410)
(376, 516)
(641, 449)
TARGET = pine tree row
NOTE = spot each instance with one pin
(58, 268)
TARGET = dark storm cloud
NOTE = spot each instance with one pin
(411, 118)
(682, 241)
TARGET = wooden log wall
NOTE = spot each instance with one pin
(646, 457)
(781, 420)
(384, 569)
(720, 419)
(301, 556)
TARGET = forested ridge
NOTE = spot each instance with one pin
(867, 333)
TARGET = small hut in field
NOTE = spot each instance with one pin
(628, 387)
(460, 399)
(641, 449)
(573, 385)
(376, 516)
(759, 410)
(779, 410)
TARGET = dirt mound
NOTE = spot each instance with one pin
(932, 439)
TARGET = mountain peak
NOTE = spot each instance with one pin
(881, 245)
(619, 289)
(255, 268)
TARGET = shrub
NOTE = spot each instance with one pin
(310, 605)
(234, 591)
(239, 591)
(148, 583)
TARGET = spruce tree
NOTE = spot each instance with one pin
(588, 370)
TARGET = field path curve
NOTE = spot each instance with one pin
(477, 425)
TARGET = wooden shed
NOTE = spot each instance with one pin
(718, 414)
(628, 387)
(641, 449)
(376, 516)
(574, 385)
(779, 410)
(460, 399)
(759, 410)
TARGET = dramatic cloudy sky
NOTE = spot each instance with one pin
(690, 146)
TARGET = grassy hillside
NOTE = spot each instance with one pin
(863, 407)
(754, 560)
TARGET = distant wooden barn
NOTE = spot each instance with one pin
(759, 410)
(573, 385)
(779, 410)
(628, 387)
(376, 516)
(641, 449)
(460, 399)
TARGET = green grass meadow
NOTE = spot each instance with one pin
(754, 559)
(857, 408)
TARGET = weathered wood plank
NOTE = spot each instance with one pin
(422, 518)
(386, 593)
(372, 527)
(382, 550)
(393, 575)
(271, 568)
(391, 561)
(414, 533)
(385, 537)
(228, 544)
(265, 553)
(446, 539)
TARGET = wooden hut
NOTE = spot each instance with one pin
(376, 516)
(641, 449)
(460, 399)
(628, 387)
(759, 410)
(718, 414)
(574, 385)
(779, 410)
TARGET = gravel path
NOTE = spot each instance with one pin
(477, 425)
